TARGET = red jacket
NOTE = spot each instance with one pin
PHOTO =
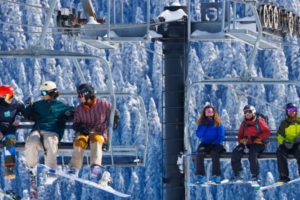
(248, 129)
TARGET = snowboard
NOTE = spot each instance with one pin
(106, 188)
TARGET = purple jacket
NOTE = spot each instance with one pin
(95, 117)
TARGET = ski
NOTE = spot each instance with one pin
(225, 182)
(209, 183)
(106, 188)
(12, 195)
(278, 184)
(33, 193)
(9, 195)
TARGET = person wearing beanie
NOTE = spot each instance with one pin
(288, 137)
(91, 120)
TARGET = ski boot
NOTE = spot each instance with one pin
(216, 179)
(201, 180)
(95, 171)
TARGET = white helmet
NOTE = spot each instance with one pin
(48, 86)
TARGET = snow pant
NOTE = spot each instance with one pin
(214, 150)
(282, 154)
(9, 146)
(237, 154)
(81, 141)
(48, 143)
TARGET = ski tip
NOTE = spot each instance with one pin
(225, 181)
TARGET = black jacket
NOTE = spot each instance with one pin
(8, 114)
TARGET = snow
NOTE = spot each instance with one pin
(172, 15)
(136, 70)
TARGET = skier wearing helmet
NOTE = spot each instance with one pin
(91, 119)
(49, 116)
(9, 109)
(252, 135)
(288, 137)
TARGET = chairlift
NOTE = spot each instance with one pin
(101, 30)
(230, 135)
(114, 151)
(269, 22)
(121, 155)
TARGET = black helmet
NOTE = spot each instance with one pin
(289, 106)
(86, 90)
(248, 107)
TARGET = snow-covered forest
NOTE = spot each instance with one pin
(137, 68)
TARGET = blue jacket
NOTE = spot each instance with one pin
(210, 134)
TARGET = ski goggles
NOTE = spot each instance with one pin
(247, 111)
(291, 109)
(44, 93)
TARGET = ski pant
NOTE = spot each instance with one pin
(81, 141)
(34, 144)
(282, 154)
(237, 154)
(9, 145)
(214, 150)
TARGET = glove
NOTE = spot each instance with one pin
(81, 128)
(297, 140)
(69, 114)
(244, 141)
(9, 142)
(288, 145)
(28, 101)
(240, 147)
(252, 138)
(265, 141)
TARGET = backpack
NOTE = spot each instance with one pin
(258, 116)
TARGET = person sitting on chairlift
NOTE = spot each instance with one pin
(252, 136)
(288, 137)
(49, 116)
(91, 120)
(10, 109)
(211, 133)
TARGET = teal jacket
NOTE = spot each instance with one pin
(49, 115)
